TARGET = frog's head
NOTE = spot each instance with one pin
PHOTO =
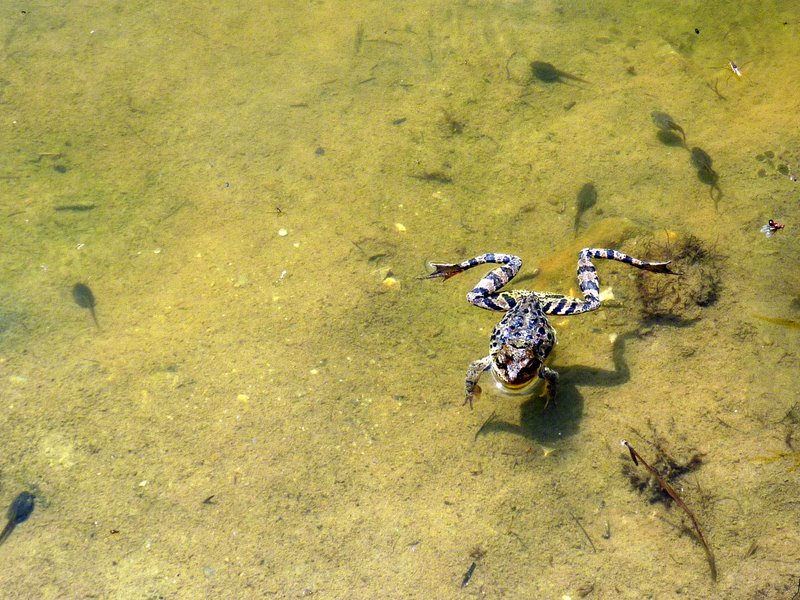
(516, 367)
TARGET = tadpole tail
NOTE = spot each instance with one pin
(715, 198)
(94, 317)
(7, 531)
(573, 77)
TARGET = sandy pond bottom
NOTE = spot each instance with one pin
(270, 405)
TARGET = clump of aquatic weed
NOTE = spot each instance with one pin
(681, 297)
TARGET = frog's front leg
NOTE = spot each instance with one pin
(474, 372)
(550, 377)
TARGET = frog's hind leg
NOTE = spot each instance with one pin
(474, 372)
(587, 254)
(485, 294)
(554, 304)
(587, 274)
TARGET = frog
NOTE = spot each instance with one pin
(522, 341)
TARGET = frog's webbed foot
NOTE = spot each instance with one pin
(473, 395)
(474, 372)
(659, 267)
(443, 270)
(550, 385)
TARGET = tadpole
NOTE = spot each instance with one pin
(85, 299)
(587, 198)
(667, 127)
(548, 73)
(19, 511)
(705, 173)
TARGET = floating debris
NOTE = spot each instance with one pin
(770, 228)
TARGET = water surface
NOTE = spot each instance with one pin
(273, 405)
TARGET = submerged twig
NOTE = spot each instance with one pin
(583, 529)
(468, 575)
(637, 458)
(485, 423)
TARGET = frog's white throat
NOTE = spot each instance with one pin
(525, 389)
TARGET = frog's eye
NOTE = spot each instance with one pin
(529, 370)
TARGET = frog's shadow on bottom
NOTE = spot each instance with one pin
(560, 419)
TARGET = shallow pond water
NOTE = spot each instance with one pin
(271, 405)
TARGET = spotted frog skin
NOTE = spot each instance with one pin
(523, 339)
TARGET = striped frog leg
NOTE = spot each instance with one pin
(486, 294)
(556, 304)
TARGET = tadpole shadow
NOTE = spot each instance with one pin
(549, 423)
(670, 138)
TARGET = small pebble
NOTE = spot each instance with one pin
(283, 232)
(607, 294)
(392, 283)
(400, 228)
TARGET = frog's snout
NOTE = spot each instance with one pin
(514, 368)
